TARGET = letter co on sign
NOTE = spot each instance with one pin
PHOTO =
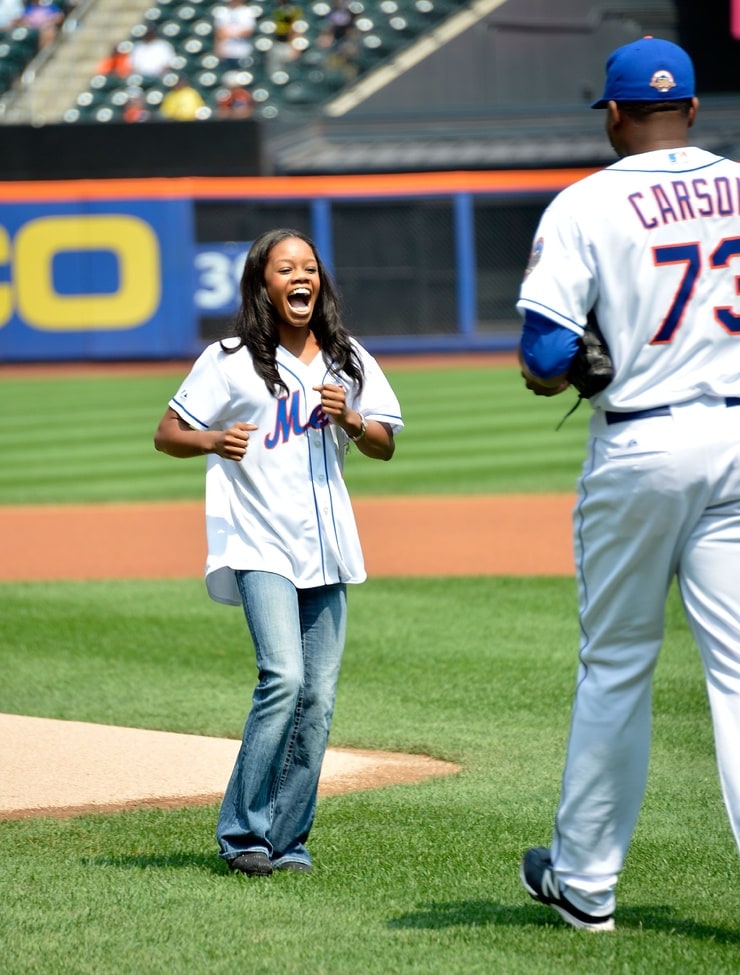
(80, 272)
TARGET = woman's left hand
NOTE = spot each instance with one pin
(377, 441)
(334, 402)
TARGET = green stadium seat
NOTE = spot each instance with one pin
(172, 31)
(90, 99)
(104, 82)
(25, 40)
(186, 12)
(205, 81)
(104, 113)
(154, 96)
(8, 73)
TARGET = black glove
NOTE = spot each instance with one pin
(591, 369)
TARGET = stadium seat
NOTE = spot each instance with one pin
(171, 30)
(299, 93)
(8, 74)
(202, 28)
(154, 96)
(18, 47)
(104, 82)
(24, 40)
(205, 81)
(155, 16)
(186, 12)
(105, 113)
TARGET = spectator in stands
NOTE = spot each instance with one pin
(182, 103)
(233, 25)
(338, 23)
(151, 56)
(117, 62)
(340, 37)
(285, 15)
(234, 100)
(44, 18)
(11, 13)
(136, 109)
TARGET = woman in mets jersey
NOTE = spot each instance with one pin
(274, 409)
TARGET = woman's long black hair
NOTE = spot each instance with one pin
(256, 324)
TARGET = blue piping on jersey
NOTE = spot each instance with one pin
(616, 168)
(331, 373)
(331, 493)
(382, 417)
(310, 470)
(294, 375)
(189, 414)
(316, 510)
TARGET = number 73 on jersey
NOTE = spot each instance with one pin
(690, 255)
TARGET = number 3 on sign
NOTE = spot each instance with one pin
(690, 255)
(218, 270)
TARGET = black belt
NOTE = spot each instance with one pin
(612, 417)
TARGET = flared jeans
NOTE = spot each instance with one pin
(298, 636)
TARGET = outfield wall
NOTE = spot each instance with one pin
(149, 268)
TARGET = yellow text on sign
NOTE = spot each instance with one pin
(130, 239)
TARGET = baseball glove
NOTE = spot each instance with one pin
(591, 369)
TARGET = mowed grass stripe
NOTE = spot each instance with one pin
(468, 430)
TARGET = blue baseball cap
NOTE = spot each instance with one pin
(648, 70)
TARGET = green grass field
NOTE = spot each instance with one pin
(408, 879)
(471, 430)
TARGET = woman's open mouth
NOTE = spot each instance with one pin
(299, 299)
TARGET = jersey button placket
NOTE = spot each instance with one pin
(319, 479)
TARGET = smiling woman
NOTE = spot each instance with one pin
(274, 408)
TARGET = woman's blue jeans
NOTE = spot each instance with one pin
(298, 636)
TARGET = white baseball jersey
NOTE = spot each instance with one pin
(285, 507)
(644, 243)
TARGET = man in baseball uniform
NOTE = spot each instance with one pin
(651, 246)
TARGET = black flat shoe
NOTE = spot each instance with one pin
(254, 864)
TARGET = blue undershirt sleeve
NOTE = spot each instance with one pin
(547, 348)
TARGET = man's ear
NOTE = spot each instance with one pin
(613, 115)
(693, 110)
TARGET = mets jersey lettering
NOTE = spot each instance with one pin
(287, 420)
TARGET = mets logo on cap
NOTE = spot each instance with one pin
(662, 81)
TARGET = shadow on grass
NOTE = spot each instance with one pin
(209, 862)
(482, 912)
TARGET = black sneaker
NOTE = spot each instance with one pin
(294, 866)
(541, 883)
(255, 863)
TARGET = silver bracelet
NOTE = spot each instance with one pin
(361, 434)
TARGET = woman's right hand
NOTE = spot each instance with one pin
(178, 439)
(232, 444)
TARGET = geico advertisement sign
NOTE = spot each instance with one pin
(75, 272)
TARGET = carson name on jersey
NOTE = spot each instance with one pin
(679, 199)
